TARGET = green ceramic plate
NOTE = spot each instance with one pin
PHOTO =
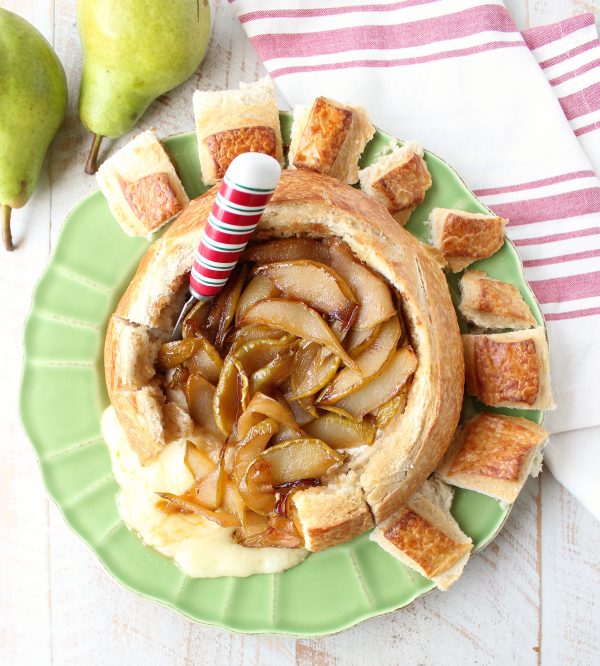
(63, 396)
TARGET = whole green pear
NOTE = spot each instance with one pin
(134, 51)
(33, 103)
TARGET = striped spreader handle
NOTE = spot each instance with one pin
(244, 193)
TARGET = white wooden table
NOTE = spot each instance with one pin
(533, 596)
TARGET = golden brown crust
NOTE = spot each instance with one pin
(406, 185)
(493, 454)
(509, 369)
(326, 130)
(429, 547)
(151, 198)
(475, 239)
(492, 303)
(225, 146)
(465, 237)
(309, 204)
(493, 446)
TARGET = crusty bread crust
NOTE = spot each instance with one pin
(493, 304)
(229, 122)
(494, 454)
(425, 536)
(143, 168)
(309, 204)
(329, 137)
(509, 369)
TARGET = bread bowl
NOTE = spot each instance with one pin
(375, 480)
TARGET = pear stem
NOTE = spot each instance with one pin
(6, 233)
(90, 165)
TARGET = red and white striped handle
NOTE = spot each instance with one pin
(244, 193)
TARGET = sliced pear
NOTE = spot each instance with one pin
(261, 406)
(253, 332)
(297, 319)
(341, 433)
(370, 362)
(206, 360)
(317, 285)
(255, 354)
(280, 533)
(172, 354)
(252, 444)
(175, 503)
(286, 490)
(273, 374)
(198, 461)
(224, 306)
(256, 488)
(253, 524)
(300, 459)
(231, 395)
(312, 370)
(285, 433)
(357, 342)
(385, 386)
(344, 413)
(195, 321)
(179, 378)
(286, 249)
(259, 288)
(372, 293)
(395, 405)
(200, 395)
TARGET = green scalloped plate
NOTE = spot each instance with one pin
(63, 395)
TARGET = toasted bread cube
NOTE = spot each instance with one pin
(326, 515)
(424, 535)
(141, 186)
(465, 237)
(509, 369)
(329, 137)
(494, 454)
(494, 304)
(398, 180)
(232, 122)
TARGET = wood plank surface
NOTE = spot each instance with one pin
(532, 597)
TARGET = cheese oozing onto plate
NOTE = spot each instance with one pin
(201, 548)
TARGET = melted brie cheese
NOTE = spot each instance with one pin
(200, 547)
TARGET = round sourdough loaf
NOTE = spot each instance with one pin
(408, 449)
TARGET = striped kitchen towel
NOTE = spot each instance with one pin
(517, 114)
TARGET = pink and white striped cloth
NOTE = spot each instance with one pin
(517, 114)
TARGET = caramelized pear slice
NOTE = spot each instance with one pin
(285, 433)
(395, 405)
(297, 319)
(175, 503)
(302, 409)
(267, 379)
(255, 354)
(252, 444)
(224, 306)
(198, 461)
(205, 360)
(195, 320)
(200, 395)
(172, 354)
(253, 332)
(312, 370)
(262, 406)
(280, 533)
(259, 288)
(286, 249)
(370, 362)
(359, 341)
(299, 459)
(231, 395)
(317, 285)
(385, 386)
(372, 293)
(252, 524)
(341, 433)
